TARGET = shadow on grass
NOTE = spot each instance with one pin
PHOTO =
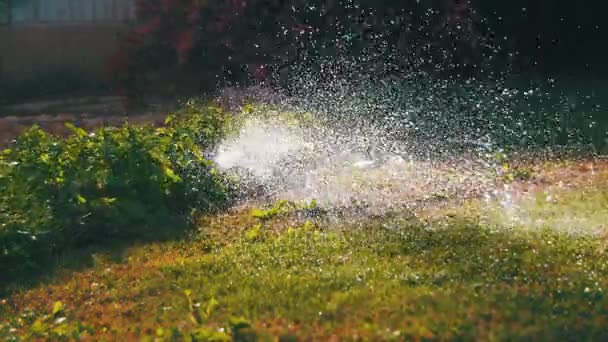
(84, 255)
(482, 282)
(456, 279)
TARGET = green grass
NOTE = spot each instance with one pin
(578, 212)
(456, 275)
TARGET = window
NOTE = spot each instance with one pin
(71, 11)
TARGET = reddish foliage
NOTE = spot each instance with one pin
(217, 36)
(164, 29)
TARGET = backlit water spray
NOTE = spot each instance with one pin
(361, 140)
(352, 153)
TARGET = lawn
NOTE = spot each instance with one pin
(478, 269)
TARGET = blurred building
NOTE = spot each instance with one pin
(51, 37)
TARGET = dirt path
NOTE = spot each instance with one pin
(86, 112)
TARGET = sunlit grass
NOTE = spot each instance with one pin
(454, 274)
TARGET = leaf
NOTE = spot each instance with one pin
(57, 308)
(38, 327)
(253, 233)
(308, 225)
(108, 200)
(278, 209)
(62, 329)
(171, 175)
(248, 108)
(212, 304)
(258, 213)
(238, 323)
(45, 158)
(204, 334)
(77, 130)
(195, 317)
(81, 200)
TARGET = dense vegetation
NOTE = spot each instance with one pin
(110, 184)
(129, 233)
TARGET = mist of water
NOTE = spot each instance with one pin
(349, 157)
(377, 144)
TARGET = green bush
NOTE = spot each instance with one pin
(110, 184)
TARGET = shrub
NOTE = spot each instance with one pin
(109, 184)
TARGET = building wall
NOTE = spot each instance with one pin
(46, 36)
(32, 50)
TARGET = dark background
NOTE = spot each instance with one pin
(554, 36)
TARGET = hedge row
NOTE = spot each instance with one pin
(110, 184)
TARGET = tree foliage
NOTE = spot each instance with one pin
(230, 40)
